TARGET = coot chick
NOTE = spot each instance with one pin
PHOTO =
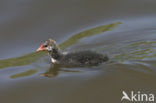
(79, 58)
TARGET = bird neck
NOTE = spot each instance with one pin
(55, 54)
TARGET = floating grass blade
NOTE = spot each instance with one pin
(91, 32)
(24, 74)
(20, 61)
(33, 57)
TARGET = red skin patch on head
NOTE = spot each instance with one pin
(41, 46)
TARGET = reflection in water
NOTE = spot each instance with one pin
(52, 71)
(55, 68)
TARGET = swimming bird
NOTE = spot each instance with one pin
(78, 58)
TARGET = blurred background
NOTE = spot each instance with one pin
(24, 24)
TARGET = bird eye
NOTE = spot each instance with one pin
(45, 45)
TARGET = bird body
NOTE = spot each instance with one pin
(79, 58)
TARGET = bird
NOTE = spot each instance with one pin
(77, 58)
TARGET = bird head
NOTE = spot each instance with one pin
(47, 46)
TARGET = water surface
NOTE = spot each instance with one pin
(123, 29)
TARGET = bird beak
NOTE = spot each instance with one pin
(41, 48)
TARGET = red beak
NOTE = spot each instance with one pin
(41, 48)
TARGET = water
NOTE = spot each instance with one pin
(128, 37)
